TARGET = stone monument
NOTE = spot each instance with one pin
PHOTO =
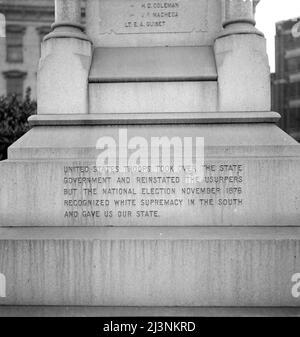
(143, 74)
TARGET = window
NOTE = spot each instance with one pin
(14, 44)
(294, 90)
(291, 42)
(295, 118)
(15, 83)
(294, 65)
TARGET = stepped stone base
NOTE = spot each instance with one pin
(174, 267)
(184, 261)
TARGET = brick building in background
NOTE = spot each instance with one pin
(286, 80)
(27, 22)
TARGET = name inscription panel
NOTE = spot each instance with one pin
(152, 16)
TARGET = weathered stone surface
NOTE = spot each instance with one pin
(155, 267)
(49, 197)
(237, 10)
(70, 235)
(143, 97)
(63, 76)
(153, 64)
(68, 11)
(57, 183)
(122, 25)
(132, 23)
(246, 85)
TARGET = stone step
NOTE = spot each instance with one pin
(153, 267)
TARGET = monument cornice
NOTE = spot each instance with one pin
(155, 118)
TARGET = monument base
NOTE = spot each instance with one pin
(236, 245)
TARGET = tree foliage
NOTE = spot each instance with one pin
(13, 119)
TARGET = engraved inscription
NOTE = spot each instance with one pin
(152, 16)
(89, 193)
